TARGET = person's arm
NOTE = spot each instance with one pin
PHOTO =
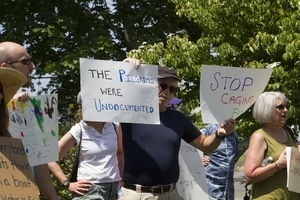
(208, 144)
(44, 181)
(64, 145)
(253, 169)
(120, 153)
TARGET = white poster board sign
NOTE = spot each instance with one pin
(35, 122)
(227, 92)
(293, 169)
(118, 92)
(192, 179)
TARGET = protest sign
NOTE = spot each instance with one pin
(16, 180)
(227, 92)
(35, 122)
(192, 178)
(293, 169)
(118, 92)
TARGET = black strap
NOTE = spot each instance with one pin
(76, 162)
(290, 131)
(115, 128)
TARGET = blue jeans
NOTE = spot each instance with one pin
(101, 191)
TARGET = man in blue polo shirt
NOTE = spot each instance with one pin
(151, 151)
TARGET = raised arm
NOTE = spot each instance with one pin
(208, 144)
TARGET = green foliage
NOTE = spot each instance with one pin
(241, 33)
(58, 33)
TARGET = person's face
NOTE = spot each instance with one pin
(21, 61)
(280, 112)
(167, 88)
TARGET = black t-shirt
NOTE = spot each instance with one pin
(151, 151)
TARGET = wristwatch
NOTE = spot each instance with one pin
(218, 136)
(66, 182)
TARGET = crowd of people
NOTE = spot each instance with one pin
(130, 161)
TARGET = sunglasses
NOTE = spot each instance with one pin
(164, 86)
(26, 61)
(282, 107)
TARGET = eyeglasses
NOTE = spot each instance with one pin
(172, 88)
(281, 107)
(26, 61)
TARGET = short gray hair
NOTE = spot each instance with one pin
(265, 105)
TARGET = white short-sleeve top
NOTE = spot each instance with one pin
(98, 153)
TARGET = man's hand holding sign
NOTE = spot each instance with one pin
(227, 92)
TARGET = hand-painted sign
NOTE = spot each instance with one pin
(36, 123)
(16, 180)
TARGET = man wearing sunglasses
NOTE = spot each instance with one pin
(13, 55)
(151, 167)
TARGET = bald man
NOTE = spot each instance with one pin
(15, 56)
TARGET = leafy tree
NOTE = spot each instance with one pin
(245, 33)
(58, 33)
(181, 33)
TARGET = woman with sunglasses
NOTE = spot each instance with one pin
(269, 178)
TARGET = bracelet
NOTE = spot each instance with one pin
(277, 166)
(218, 136)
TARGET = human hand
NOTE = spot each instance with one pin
(281, 162)
(121, 184)
(227, 128)
(205, 160)
(23, 96)
(80, 187)
(136, 62)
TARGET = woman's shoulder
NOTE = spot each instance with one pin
(258, 135)
(77, 128)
